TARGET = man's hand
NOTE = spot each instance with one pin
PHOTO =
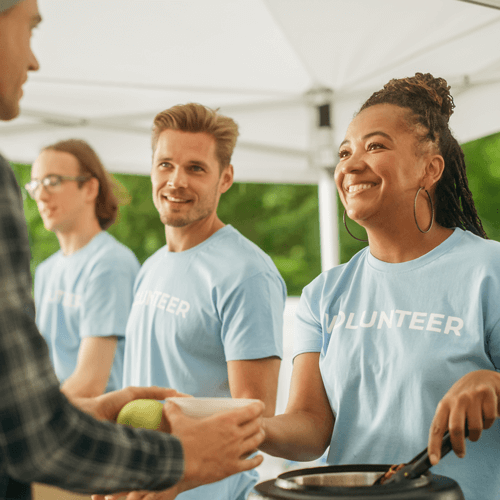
(107, 406)
(216, 447)
(473, 401)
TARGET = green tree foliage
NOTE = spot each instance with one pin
(282, 219)
(483, 171)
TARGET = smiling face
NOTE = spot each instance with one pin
(186, 179)
(67, 208)
(380, 169)
(16, 57)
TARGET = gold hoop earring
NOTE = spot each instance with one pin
(347, 229)
(415, 211)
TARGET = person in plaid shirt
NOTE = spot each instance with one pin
(46, 438)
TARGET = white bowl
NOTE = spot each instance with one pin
(204, 407)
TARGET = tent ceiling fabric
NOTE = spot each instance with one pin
(495, 4)
(108, 67)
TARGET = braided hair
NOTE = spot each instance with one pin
(431, 105)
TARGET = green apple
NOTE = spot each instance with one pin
(144, 413)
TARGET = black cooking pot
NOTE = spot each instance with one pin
(349, 482)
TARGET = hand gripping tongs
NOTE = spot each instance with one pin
(418, 466)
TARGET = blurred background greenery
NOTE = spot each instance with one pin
(282, 219)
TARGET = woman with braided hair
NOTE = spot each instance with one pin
(402, 342)
(432, 105)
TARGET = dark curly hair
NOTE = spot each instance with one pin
(430, 105)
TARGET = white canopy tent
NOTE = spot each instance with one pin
(107, 67)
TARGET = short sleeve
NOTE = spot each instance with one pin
(252, 318)
(308, 334)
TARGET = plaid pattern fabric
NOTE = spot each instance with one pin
(43, 438)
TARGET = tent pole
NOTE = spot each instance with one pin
(320, 100)
(328, 221)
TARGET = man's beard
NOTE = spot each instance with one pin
(183, 221)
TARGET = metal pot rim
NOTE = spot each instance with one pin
(340, 477)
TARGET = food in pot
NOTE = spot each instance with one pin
(392, 470)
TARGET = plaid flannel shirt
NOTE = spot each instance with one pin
(43, 438)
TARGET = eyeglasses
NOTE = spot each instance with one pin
(51, 183)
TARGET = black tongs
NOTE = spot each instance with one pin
(419, 465)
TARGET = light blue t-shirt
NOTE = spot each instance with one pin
(85, 294)
(222, 300)
(393, 339)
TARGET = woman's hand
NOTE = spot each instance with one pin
(472, 402)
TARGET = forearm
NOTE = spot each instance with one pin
(91, 375)
(296, 436)
(80, 387)
(304, 431)
(268, 397)
(109, 457)
(255, 379)
(59, 445)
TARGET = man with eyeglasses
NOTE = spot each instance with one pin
(83, 292)
(45, 438)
